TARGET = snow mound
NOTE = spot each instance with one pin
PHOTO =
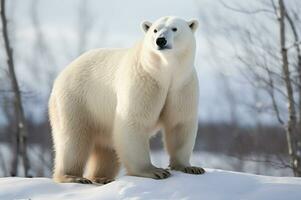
(213, 185)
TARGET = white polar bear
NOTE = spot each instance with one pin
(107, 103)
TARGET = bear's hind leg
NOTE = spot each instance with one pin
(71, 153)
(103, 165)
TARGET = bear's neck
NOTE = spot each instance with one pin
(168, 68)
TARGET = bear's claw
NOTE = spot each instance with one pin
(154, 172)
(161, 173)
(189, 170)
(82, 180)
(102, 180)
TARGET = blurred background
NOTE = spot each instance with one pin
(248, 62)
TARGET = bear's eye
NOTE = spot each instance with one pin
(155, 31)
(174, 29)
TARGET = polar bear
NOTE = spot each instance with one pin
(108, 102)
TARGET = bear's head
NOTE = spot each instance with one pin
(169, 34)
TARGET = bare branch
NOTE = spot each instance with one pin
(282, 164)
(272, 95)
(295, 44)
(275, 9)
(244, 11)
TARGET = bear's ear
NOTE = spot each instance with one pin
(145, 25)
(193, 24)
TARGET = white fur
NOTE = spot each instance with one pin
(110, 101)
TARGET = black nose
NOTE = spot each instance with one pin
(161, 42)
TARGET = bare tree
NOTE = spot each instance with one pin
(296, 45)
(271, 68)
(293, 137)
(18, 107)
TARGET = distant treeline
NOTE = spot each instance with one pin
(212, 137)
(237, 140)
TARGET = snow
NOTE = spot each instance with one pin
(41, 162)
(213, 185)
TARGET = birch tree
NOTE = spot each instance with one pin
(273, 64)
(21, 148)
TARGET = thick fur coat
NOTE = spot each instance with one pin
(107, 103)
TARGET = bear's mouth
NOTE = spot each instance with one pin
(164, 48)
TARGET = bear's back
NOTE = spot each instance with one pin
(94, 67)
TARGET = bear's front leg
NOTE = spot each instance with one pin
(179, 141)
(131, 142)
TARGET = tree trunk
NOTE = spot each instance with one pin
(298, 67)
(15, 159)
(19, 112)
(291, 130)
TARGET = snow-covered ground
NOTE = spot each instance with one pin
(213, 185)
(41, 162)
